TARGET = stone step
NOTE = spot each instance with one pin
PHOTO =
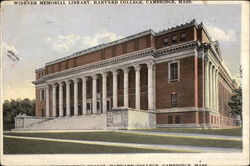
(73, 123)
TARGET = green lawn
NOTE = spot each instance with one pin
(135, 138)
(22, 146)
(228, 131)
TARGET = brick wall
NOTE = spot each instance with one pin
(39, 104)
(185, 87)
(185, 117)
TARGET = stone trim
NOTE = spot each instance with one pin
(187, 125)
(40, 69)
(185, 109)
(169, 70)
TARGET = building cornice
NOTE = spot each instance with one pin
(40, 69)
(177, 48)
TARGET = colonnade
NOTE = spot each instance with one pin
(211, 86)
(84, 78)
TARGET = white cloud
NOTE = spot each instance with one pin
(227, 35)
(74, 42)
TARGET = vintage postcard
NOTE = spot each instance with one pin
(124, 82)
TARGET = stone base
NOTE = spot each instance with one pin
(128, 118)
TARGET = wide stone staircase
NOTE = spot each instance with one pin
(82, 122)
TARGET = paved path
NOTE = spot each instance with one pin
(180, 148)
(190, 135)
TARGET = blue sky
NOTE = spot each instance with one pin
(44, 33)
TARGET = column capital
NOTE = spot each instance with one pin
(125, 69)
(137, 67)
(104, 74)
(206, 60)
(94, 76)
(76, 80)
(60, 84)
(114, 72)
(54, 85)
(84, 78)
(150, 64)
(67, 82)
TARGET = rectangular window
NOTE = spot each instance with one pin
(67, 64)
(183, 37)
(88, 88)
(59, 67)
(98, 105)
(43, 114)
(173, 71)
(165, 41)
(173, 100)
(42, 94)
(170, 119)
(108, 103)
(177, 119)
(174, 39)
(88, 106)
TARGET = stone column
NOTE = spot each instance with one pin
(104, 92)
(213, 91)
(76, 96)
(60, 99)
(217, 90)
(210, 86)
(68, 98)
(47, 101)
(84, 94)
(125, 83)
(150, 86)
(114, 72)
(137, 86)
(54, 100)
(207, 84)
(94, 95)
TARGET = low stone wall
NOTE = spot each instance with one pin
(130, 119)
(26, 121)
(117, 118)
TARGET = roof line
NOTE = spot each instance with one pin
(140, 34)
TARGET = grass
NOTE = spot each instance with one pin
(135, 138)
(226, 132)
(22, 146)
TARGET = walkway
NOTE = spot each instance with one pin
(184, 135)
(180, 148)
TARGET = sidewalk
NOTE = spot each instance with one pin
(180, 148)
(187, 135)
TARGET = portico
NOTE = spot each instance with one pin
(56, 90)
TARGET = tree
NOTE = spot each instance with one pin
(12, 108)
(236, 99)
(236, 102)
